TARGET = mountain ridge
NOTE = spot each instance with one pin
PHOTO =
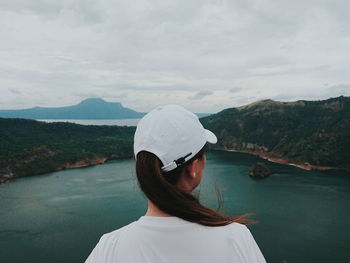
(311, 134)
(87, 109)
(91, 108)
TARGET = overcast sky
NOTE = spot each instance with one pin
(204, 55)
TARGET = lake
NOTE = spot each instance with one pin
(120, 122)
(59, 217)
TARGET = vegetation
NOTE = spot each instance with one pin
(259, 171)
(31, 147)
(314, 132)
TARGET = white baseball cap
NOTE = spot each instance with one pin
(173, 134)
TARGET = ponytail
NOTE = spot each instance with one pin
(160, 188)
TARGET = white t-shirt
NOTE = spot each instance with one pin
(171, 239)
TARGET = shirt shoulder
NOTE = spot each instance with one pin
(242, 240)
(106, 247)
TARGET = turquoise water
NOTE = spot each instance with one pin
(58, 217)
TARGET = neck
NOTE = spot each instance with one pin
(153, 210)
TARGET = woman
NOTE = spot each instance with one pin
(169, 148)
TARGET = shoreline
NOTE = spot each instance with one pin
(102, 160)
(78, 164)
(84, 163)
(305, 166)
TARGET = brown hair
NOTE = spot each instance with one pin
(160, 188)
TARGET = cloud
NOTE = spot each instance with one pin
(235, 89)
(85, 11)
(324, 92)
(65, 50)
(338, 90)
(241, 101)
(200, 95)
(101, 93)
(15, 91)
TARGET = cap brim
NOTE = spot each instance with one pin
(211, 137)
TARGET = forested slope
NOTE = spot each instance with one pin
(31, 147)
(312, 132)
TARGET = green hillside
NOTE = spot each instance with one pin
(314, 132)
(302, 132)
(30, 147)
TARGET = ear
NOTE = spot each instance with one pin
(192, 168)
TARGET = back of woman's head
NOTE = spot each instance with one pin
(167, 141)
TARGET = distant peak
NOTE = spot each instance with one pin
(272, 103)
(93, 100)
(259, 102)
(98, 103)
(264, 102)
